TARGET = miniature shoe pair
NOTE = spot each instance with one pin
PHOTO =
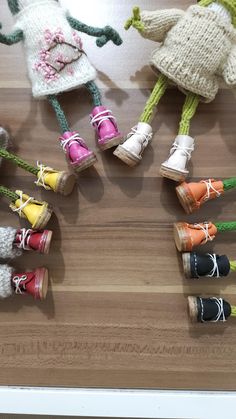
(175, 167)
(78, 154)
(12, 243)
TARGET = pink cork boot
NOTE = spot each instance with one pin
(78, 154)
(39, 241)
(34, 283)
(105, 124)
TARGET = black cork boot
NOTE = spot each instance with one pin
(208, 265)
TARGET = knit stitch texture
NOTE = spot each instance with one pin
(230, 5)
(55, 56)
(6, 289)
(197, 46)
(7, 249)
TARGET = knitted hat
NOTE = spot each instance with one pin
(7, 236)
(230, 5)
(6, 289)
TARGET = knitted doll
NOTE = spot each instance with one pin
(14, 241)
(197, 48)
(187, 236)
(34, 283)
(209, 310)
(57, 63)
(194, 194)
(48, 178)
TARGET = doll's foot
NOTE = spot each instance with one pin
(34, 283)
(194, 194)
(57, 181)
(105, 124)
(37, 213)
(78, 154)
(131, 150)
(175, 167)
(187, 236)
(209, 265)
(38, 241)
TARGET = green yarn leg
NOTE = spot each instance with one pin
(229, 183)
(226, 226)
(189, 110)
(64, 126)
(95, 92)
(19, 162)
(154, 99)
(8, 193)
(233, 266)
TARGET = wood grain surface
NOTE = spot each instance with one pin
(116, 313)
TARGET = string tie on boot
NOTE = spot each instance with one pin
(17, 283)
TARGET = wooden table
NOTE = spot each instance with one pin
(116, 311)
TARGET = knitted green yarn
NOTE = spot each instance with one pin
(8, 193)
(229, 183)
(59, 113)
(233, 266)
(103, 34)
(230, 5)
(189, 110)
(13, 6)
(95, 92)
(11, 39)
(19, 162)
(154, 99)
(226, 226)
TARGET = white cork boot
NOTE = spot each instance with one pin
(130, 152)
(180, 154)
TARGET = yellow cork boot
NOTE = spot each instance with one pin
(59, 182)
(37, 213)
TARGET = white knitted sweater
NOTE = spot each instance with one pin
(7, 249)
(197, 48)
(6, 289)
(55, 63)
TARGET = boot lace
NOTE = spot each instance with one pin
(210, 190)
(215, 270)
(146, 138)
(205, 229)
(24, 237)
(17, 280)
(42, 171)
(74, 139)
(22, 203)
(220, 305)
(102, 116)
(186, 150)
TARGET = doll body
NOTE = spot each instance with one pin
(57, 63)
(55, 57)
(197, 48)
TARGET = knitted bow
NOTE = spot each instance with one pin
(135, 20)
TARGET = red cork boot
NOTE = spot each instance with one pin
(38, 241)
(34, 283)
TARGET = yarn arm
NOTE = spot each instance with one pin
(154, 25)
(12, 38)
(229, 70)
(103, 34)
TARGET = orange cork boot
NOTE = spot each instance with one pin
(187, 236)
(194, 194)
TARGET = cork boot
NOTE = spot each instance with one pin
(187, 236)
(194, 194)
(175, 167)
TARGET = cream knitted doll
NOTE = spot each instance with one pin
(197, 49)
(57, 63)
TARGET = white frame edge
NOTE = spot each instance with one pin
(106, 403)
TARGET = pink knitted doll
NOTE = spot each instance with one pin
(57, 63)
